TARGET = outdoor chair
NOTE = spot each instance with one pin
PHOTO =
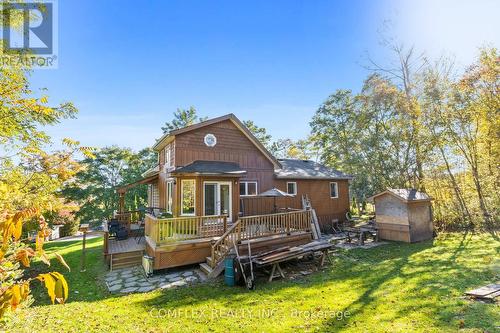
(114, 227)
(140, 231)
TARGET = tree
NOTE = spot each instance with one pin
(183, 118)
(30, 181)
(281, 148)
(259, 132)
(421, 127)
(95, 185)
(405, 75)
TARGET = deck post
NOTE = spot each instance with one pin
(225, 223)
(287, 221)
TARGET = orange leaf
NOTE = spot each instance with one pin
(61, 288)
(18, 229)
(62, 261)
(43, 257)
(39, 242)
(23, 255)
(16, 296)
(50, 285)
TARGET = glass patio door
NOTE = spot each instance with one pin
(217, 198)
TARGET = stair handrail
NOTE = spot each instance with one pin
(222, 238)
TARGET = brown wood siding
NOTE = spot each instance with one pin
(233, 146)
(318, 192)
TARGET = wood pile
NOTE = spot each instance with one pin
(489, 292)
(287, 253)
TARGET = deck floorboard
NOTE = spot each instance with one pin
(127, 245)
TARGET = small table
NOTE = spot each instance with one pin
(362, 231)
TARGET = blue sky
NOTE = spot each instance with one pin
(127, 65)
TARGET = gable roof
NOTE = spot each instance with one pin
(307, 169)
(168, 137)
(405, 195)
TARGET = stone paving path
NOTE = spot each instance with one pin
(133, 280)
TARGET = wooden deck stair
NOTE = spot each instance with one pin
(262, 233)
(128, 259)
(125, 253)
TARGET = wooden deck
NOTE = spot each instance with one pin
(207, 240)
(127, 245)
(125, 253)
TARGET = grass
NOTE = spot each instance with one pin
(392, 288)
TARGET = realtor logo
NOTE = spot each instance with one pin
(28, 33)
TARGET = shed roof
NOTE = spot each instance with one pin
(307, 169)
(406, 195)
(211, 168)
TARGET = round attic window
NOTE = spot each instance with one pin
(210, 140)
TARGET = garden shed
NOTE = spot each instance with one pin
(403, 215)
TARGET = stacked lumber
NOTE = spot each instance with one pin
(489, 292)
(287, 253)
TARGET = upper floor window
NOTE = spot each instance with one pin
(291, 188)
(248, 188)
(168, 156)
(334, 190)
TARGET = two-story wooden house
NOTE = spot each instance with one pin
(218, 168)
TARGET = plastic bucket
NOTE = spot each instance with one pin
(229, 271)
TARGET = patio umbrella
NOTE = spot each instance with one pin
(274, 193)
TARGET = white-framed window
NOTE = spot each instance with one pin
(248, 188)
(334, 190)
(170, 192)
(168, 161)
(291, 188)
(188, 197)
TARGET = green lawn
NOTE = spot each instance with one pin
(392, 288)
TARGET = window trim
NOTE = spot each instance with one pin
(170, 196)
(336, 190)
(182, 197)
(295, 188)
(246, 182)
(167, 157)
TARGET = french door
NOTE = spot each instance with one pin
(217, 199)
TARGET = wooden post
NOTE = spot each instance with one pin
(83, 228)
(225, 224)
(121, 202)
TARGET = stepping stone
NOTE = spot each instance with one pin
(144, 284)
(115, 288)
(188, 273)
(179, 283)
(129, 290)
(167, 285)
(145, 289)
(191, 279)
(131, 279)
(171, 276)
(114, 282)
(177, 278)
(130, 284)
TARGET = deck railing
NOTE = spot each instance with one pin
(251, 227)
(168, 230)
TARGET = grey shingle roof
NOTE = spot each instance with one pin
(404, 194)
(306, 169)
(211, 168)
(409, 194)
